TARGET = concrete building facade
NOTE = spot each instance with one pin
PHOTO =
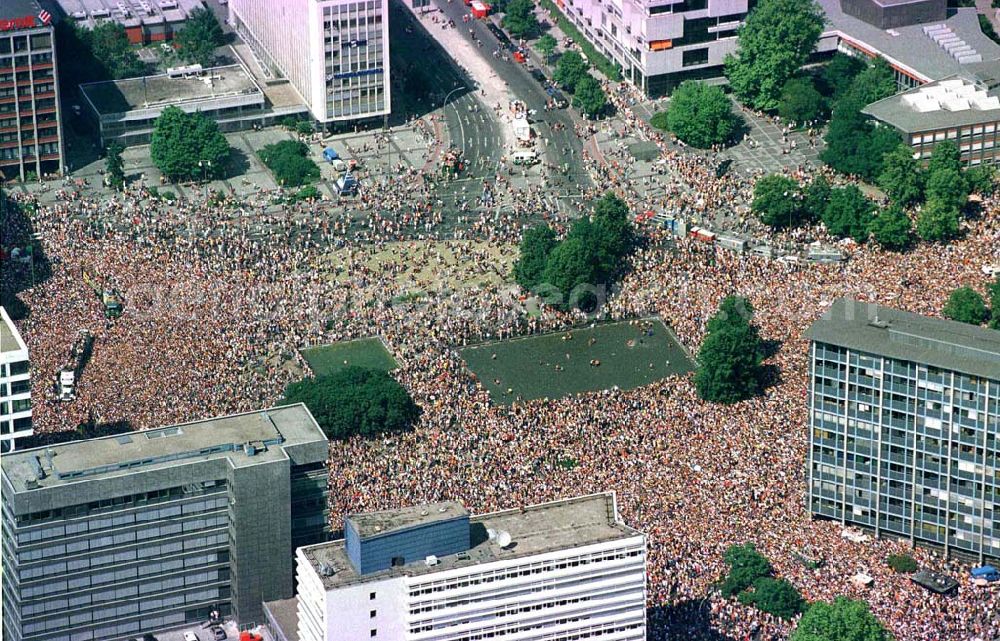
(30, 130)
(335, 53)
(556, 571)
(904, 427)
(110, 538)
(659, 43)
(15, 386)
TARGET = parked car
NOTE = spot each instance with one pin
(218, 634)
(538, 75)
(191, 636)
(987, 573)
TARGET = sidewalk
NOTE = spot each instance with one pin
(491, 89)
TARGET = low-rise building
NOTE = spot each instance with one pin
(145, 21)
(110, 538)
(561, 570)
(15, 386)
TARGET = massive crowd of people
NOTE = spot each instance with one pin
(218, 298)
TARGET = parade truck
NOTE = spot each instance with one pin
(79, 354)
(109, 297)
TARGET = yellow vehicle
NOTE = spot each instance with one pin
(110, 298)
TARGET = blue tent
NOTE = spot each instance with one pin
(330, 154)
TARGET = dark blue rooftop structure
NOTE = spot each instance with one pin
(381, 540)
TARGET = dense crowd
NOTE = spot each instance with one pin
(219, 297)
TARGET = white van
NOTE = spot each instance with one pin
(524, 157)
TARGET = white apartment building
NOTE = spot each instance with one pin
(557, 571)
(659, 43)
(335, 53)
(15, 385)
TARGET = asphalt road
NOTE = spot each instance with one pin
(564, 146)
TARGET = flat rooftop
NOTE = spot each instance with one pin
(216, 438)
(537, 529)
(19, 9)
(872, 328)
(961, 100)
(122, 96)
(371, 524)
(10, 338)
(910, 46)
(86, 12)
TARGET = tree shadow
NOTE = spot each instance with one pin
(770, 347)
(769, 376)
(25, 263)
(687, 620)
(238, 163)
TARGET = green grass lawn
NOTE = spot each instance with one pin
(363, 352)
(551, 366)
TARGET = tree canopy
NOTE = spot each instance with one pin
(701, 115)
(843, 620)
(114, 166)
(902, 178)
(570, 70)
(773, 44)
(776, 200)
(536, 244)
(589, 97)
(774, 596)
(938, 222)
(181, 141)
(965, 305)
(546, 45)
(519, 18)
(730, 358)
(199, 37)
(290, 162)
(355, 400)
(800, 101)
(848, 213)
(839, 73)
(892, 229)
(746, 565)
(946, 185)
(994, 293)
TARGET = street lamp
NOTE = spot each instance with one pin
(205, 166)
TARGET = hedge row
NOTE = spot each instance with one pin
(596, 58)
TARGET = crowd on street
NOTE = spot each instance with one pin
(219, 297)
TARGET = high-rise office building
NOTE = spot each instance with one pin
(109, 538)
(30, 133)
(904, 426)
(15, 385)
(335, 53)
(561, 570)
(659, 43)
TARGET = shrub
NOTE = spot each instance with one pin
(902, 563)
(290, 162)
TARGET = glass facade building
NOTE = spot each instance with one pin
(904, 427)
(111, 538)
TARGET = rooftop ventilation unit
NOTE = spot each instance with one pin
(504, 539)
(325, 569)
(431, 561)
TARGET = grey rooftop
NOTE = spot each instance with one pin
(536, 529)
(901, 112)
(909, 45)
(10, 338)
(10, 9)
(243, 439)
(872, 328)
(371, 524)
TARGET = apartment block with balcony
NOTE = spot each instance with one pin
(111, 538)
(30, 132)
(904, 427)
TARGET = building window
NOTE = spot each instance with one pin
(695, 57)
(371, 615)
(373, 633)
(371, 596)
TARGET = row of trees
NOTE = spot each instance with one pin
(700, 115)
(966, 305)
(751, 580)
(572, 74)
(567, 273)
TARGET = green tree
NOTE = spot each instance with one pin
(519, 18)
(800, 101)
(290, 162)
(946, 155)
(947, 186)
(901, 177)
(199, 37)
(746, 565)
(570, 266)
(938, 222)
(902, 563)
(589, 97)
(994, 292)
(777, 202)
(355, 400)
(546, 45)
(659, 121)
(181, 141)
(729, 361)
(570, 70)
(111, 48)
(892, 229)
(701, 115)
(814, 199)
(773, 44)
(839, 73)
(536, 245)
(774, 596)
(848, 213)
(613, 234)
(114, 166)
(981, 180)
(965, 305)
(842, 620)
